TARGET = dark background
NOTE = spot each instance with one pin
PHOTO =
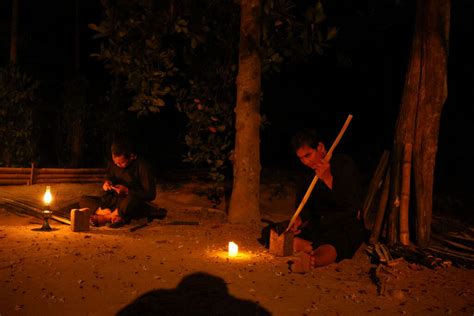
(321, 93)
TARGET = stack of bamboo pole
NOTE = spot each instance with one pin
(391, 183)
(28, 176)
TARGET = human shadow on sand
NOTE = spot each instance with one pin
(197, 294)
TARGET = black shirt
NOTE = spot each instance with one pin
(343, 200)
(138, 177)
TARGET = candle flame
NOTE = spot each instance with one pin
(47, 196)
(233, 249)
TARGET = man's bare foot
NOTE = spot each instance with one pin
(101, 211)
(99, 220)
(114, 213)
(322, 256)
(303, 245)
(116, 222)
(302, 264)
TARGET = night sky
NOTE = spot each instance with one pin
(321, 93)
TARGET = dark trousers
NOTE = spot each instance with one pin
(345, 233)
(129, 207)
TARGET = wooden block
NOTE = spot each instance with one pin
(281, 245)
(80, 219)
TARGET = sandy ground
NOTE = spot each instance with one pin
(166, 269)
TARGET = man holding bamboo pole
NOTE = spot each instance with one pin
(328, 227)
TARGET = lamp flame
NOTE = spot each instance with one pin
(233, 249)
(47, 196)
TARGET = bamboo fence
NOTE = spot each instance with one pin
(33, 175)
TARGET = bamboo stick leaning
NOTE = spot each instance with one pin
(315, 179)
(377, 228)
(405, 194)
(375, 184)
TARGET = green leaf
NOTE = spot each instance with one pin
(94, 27)
(163, 92)
(158, 102)
(154, 109)
(332, 33)
(136, 106)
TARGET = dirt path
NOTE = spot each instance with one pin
(184, 269)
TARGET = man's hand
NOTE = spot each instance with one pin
(323, 170)
(120, 189)
(295, 228)
(107, 186)
(321, 167)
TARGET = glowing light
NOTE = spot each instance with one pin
(233, 249)
(47, 198)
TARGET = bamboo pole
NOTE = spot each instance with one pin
(28, 206)
(13, 181)
(70, 170)
(14, 176)
(69, 180)
(69, 176)
(375, 183)
(394, 197)
(405, 194)
(315, 179)
(29, 176)
(375, 234)
(6, 170)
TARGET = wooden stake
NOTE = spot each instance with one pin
(32, 174)
(281, 245)
(405, 194)
(315, 179)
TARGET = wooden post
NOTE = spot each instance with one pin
(405, 194)
(32, 174)
(374, 236)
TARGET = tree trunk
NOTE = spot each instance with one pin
(423, 98)
(432, 30)
(14, 32)
(245, 199)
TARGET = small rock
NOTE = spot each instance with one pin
(397, 294)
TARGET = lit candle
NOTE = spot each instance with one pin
(47, 196)
(233, 249)
(47, 213)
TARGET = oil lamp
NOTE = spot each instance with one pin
(233, 249)
(47, 213)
